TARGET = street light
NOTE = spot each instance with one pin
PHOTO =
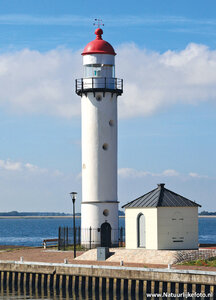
(73, 197)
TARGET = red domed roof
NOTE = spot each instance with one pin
(98, 46)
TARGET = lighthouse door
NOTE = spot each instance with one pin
(105, 235)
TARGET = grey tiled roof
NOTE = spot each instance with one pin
(161, 197)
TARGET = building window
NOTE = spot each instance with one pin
(141, 226)
(98, 98)
(105, 146)
(177, 231)
(106, 212)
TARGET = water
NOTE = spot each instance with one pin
(18, 295)
(31, 232)
(21, 295)
(207, 230)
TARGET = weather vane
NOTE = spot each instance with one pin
(98, 23)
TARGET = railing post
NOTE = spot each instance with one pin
(76, 84)
(105, 82)
(82, 84)
(92, 82)
(121, 237)
(90, 230)
(79, 236)
(59, 238)
(64, 238)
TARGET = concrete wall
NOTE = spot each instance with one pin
(183, 276)
(166, 227)
(131, 227)
(177, 227)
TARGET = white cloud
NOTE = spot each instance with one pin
(24, 19)
(43, 83)
(133, 173)
(170, 173)
(195, 175)
(129, 172)
(10, 166)
(34, 168)
(153, 80)
(122, 20)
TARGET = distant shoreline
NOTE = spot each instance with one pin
(207, 216)
(63, 217)
(43, 217)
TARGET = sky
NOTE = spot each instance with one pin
(166, 55)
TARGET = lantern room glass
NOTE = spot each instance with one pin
(99, 70)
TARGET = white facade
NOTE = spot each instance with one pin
(99, 149)
(164, 228)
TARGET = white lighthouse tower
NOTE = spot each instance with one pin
(99, 90)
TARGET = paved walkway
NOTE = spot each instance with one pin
(141, 256)
(38, 255)
(134, 258)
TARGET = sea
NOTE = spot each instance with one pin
(32, 231)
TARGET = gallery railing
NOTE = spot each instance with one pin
(103, 84)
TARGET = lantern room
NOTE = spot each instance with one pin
(99, 67)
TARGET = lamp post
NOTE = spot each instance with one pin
(73, 197)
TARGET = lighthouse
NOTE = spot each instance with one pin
(99, 90)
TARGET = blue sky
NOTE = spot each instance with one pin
(167, 114)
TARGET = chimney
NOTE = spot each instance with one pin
(161, 185)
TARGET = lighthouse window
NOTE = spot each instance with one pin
(99, 70)
(105, 146)
(106, 212)
(98, 98)
(111, 123)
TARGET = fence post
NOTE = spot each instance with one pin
(79, 237)
(66, 236)
(59, 238)
(90, 230)
(121, 237)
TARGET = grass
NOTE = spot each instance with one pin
(210, 262)
(78, 248)
(12, 248)
(68, 248)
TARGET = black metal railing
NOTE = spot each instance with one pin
(114, 85)
(87, 236)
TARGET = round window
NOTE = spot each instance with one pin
(111, 123)
(105, 212)
(105, 146)
(98, 98)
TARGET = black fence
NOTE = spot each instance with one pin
(103, 84)
(88, 237)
